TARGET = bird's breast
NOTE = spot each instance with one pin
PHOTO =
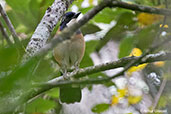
(70, 51)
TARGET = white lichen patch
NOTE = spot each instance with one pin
(46, 26)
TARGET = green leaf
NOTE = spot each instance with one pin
(90, 47)
(23, 12)
(125, 23)
(100, 108)
(43, 71)
(8, 58)
(70, 94)
(18, 5)
(108, 14)
(16, 79)
(146, 36)
(53, 92)
(126, 46)
(86, 61)
(85, 10)
(40, 105)
(105, 16)
(89, 29)
(34, 7)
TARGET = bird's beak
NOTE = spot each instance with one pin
(77, 14)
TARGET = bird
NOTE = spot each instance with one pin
(69, 53)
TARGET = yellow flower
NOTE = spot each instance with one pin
(136, 52)
(115, 100)
(91, 2)
(159, 63)
(122, 92)
(134, 99)
(165, 26)
(148, 19)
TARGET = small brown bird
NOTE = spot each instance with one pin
(70, 52)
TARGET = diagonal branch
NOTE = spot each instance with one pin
(41, 34)
(64, 35)
(135, 7)
(46, 26)
(4, 33)
(157, 98)
(58, 82)
(9, 24)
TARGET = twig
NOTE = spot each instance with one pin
(9, 24)
(70, 30)
(156, 100)
(4, 33)
(157, 97)
(135, 7)
(39, 44)
(64, 35)
(115, 64)
(57, 82)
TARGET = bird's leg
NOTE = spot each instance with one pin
(64, 73)
(76, 66)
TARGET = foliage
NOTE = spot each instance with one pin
(18, 80)
(100, 108)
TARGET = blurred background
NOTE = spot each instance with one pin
(112, 34)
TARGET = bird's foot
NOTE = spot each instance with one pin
(76, 65)
(65, 76)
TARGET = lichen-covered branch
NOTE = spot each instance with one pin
(46, 26)
(161, 56)
(70, 30)
(64, 35)
(58, 82)
(48, 22)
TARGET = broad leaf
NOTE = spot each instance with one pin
(70, 94)
(40, 105)
(100, 108)
(126, 46)
(89, 29)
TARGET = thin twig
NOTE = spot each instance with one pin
(48, 86)
(64, 35)
(157, 97)
(156, 100)
(94, 69)
(70, 30)
(4, 33)
(141, 8)
(9, 24)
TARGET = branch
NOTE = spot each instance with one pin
(4, 33)
(64, 35)
(156, 100)
(57, 82)
(135, 7)
(46, 26)
(48, 22)
(9, 24)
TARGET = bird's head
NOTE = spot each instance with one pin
(68, 19)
